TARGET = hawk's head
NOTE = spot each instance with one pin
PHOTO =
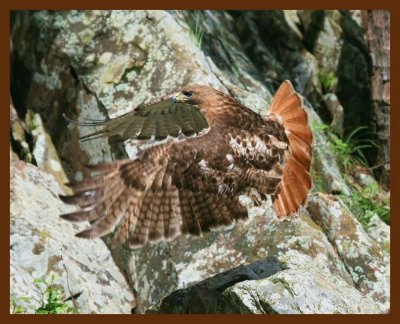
(214, 105)
(195, 95)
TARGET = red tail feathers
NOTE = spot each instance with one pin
(296, 181)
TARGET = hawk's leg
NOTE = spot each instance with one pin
(257, 198)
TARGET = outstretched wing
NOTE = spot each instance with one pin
(166, 191)
(157, 120)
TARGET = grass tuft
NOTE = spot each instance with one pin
(348, 150)
(328, 81)
(365, 203)
(196, 30)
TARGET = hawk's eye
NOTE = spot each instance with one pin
(187, 93)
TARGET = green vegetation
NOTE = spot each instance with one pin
(318, 181)
(348, 150)
(51, 301)
(328, 81)
(17, 308)
(363, 202)
(196, 31)
(320, 127)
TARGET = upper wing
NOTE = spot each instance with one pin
(156, 120)
(164, 192)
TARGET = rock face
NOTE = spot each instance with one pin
(108, 62)
(363, 257)
(100, 64)
(377, 26)
(292, 284)
(159, 270)
(324, 165)
(336, 110)
(41, 244)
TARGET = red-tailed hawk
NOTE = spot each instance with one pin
(193, 184)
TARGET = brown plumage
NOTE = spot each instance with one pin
(193, 184)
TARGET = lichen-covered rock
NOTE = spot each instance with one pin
(363, 257)
(18, 137)
(109, 62)
(336, 111)
(41, 244)
(335, 40)
(21, 284)
(380, 232)
(157, 270)
(44, 152)
(327, 43)
(112, 61)
(206, 296)
(290, 284)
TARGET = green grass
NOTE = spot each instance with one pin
(51, 299)
(349, 150)
(365, 203)
(320, 127)
(196, 30)
(328, 81)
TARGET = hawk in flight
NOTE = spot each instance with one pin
(193, 184)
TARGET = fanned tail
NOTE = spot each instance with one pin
(296, 181)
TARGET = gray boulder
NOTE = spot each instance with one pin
(158, 270)
(292, 284)
(41, 244)
(364, 258)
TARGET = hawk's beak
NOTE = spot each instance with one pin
(178, 97)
